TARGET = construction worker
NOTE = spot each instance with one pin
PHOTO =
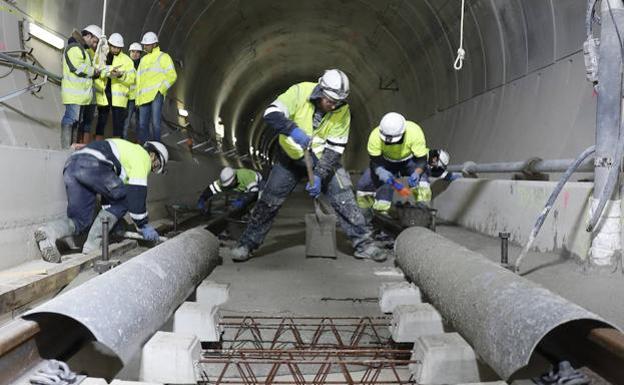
(135, 54)
(117, 170)
(87, 113)
(316, 116)
(436, 166)
(244, 181)
(156, 74)
(396, 148)
(112, 87)
(78, 75)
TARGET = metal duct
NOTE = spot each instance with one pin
(502, 315)
(125, 306)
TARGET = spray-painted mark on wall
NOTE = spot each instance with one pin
(566, 199)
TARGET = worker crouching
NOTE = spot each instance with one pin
(244, 182)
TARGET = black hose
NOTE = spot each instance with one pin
(550, 203)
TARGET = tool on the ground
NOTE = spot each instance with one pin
(105, 263)
(139, 237)
(504, 237)
(320, 227)
(399, 187)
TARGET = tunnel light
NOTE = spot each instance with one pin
(234, 139)
(46, 36)
(182, 112)
(219, 128)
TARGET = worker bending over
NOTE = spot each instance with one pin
(112, 87)
(316, 116)
(117, 170)
(247, 183)
(78, 75)
(437, 164)
(396, 148)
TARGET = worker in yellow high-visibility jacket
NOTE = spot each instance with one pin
(135, 53)
(156, 74)
(78, 75)
(113, 86)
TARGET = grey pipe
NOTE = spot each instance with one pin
(502, 315)
(31, 67)
(535, 165)
(123, 307)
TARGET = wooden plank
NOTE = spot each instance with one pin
(24, 290)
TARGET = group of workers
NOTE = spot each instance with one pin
(311, 120)
(99, 75)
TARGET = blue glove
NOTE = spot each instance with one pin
(314, 190)
(413, 179)
(238, 203)
(384, 174)
(201, 204)
(149, 233)
(300, 137)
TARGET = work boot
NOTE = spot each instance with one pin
(66, 136)
(240, 253)
(370, 251)
(47, 235)
(94, 239)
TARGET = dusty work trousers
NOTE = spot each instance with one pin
(369, 181)
(85, 177)
(119, 117)
(283, 178)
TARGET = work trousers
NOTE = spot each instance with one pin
(150, 119)
(133, 112)
(87, 113)
(370, 182)
(282, 179)
(85, 177)
(119, 118)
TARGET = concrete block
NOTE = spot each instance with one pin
(93, 381)
(210, 293)
(169, 357)
(412, 321)
(122, 382)
(393, 294)
(200, 321)
(444, 359)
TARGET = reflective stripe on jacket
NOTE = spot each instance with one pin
(156, 73)
(119, 86)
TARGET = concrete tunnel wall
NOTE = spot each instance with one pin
(521, 93)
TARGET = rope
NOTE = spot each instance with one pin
(461, 53)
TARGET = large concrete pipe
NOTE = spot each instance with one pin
(502, 315)
(122, 308)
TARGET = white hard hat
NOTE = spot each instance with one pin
(149, 38)
(161, 151)
(93, 30)
(227, 176)
(392, 127)
(334, 84)
(443, 159)
(135, 47)
(116, 40)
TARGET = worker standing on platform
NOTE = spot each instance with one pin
(78, 75)
(247, 183)
(156, 74)
(135, 55)
(112, 87)
(316, 116)
(117, 170)
(396, 148)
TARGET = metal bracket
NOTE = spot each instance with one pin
(528, 172)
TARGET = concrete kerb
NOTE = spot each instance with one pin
(393, 294)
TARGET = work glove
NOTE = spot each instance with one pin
(149, 233)
(238, 203)
(413, 179)
(384, 174)
(315, 189)
(300, 137)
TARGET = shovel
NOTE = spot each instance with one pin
(139, 237)
(320, 227)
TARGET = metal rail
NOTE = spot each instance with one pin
(19, 92)
(531, 166)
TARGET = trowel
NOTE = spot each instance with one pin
(320, 226)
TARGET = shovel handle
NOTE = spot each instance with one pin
(308, 162)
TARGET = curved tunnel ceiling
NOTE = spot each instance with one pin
(235, 56)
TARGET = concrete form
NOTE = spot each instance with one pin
(444, 359)
(409, 322)
(210, 293)
(169, 358)
(198, 320)
(393, 294)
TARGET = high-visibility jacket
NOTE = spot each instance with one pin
(247, 181)
(412, 145)
(133, 86)
(78, 70)
(119, 86)
(332, 133)
(133, 164)
(156, 73)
